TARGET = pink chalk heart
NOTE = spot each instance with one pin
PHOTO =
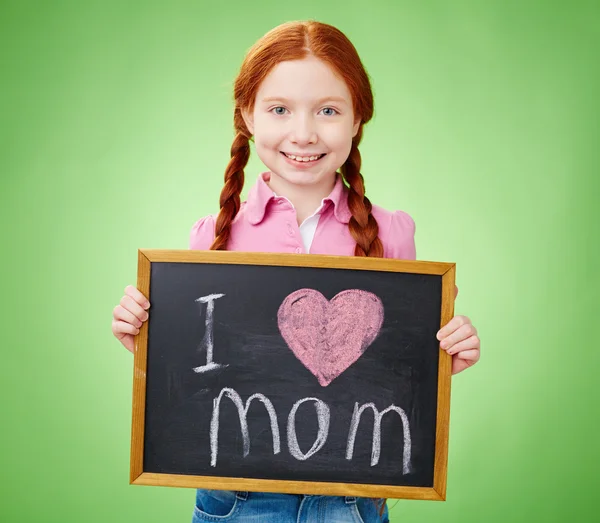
(329, 336)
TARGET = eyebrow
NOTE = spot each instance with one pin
(319, 102)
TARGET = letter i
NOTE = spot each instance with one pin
(207, 340)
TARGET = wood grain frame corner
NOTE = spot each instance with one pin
(139, 477)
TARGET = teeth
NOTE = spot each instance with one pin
(303, 158)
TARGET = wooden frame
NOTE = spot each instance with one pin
(437, 492)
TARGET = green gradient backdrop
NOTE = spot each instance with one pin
(115, 131)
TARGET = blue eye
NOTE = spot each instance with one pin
(331, 113)
(279, 110)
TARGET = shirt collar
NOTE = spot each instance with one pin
(260, 195)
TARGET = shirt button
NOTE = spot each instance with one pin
(298, 250)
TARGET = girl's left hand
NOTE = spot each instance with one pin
(459, 338)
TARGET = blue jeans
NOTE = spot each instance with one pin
(263, 507)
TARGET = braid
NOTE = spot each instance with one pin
(363, 226)
(230, 194)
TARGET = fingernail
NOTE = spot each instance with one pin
(146, 304)
(443, 344)
(146, 316)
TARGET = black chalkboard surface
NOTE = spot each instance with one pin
(292, 373)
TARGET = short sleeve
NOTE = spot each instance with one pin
(401, 237)
(202, 234)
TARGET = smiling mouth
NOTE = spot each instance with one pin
(303, 159)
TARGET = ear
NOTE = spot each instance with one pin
(248, 120)
(355, 128)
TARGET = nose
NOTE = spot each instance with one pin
(303, 130)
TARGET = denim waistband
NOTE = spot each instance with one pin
(243, 495)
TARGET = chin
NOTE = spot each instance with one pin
(300, 178)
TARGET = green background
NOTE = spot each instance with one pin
(116, 123)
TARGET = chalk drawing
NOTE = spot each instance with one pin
(329, 336)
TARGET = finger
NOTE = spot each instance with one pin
(460, 334)
(458, 364)
(471, 355)
(128, 343)
(119, 313)
(121, 328)
(471, 343)
(129, 304)
(126, 339)
(455, 291)
(454, 324)
(130, 290)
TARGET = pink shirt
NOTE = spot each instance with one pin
(267, 223)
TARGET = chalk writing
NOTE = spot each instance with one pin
(327, 337)
(207, 340)
(242, 413)
(376, 446)
(323, 420)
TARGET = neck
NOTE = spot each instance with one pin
(306, 199)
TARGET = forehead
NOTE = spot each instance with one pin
(303, 80)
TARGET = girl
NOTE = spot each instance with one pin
(303, 97)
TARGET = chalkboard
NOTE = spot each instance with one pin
(292, 373)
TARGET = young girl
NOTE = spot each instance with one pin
(303, 96)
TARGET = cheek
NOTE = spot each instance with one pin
(339, 140)
(266, 137)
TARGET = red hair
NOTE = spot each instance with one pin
(295, 41)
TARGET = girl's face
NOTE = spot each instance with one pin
(303, 123)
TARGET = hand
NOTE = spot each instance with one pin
(459, 338)
(129, 315)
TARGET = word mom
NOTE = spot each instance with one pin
(321, 408)
(323, 417)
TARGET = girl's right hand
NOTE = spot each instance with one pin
(129, 315)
